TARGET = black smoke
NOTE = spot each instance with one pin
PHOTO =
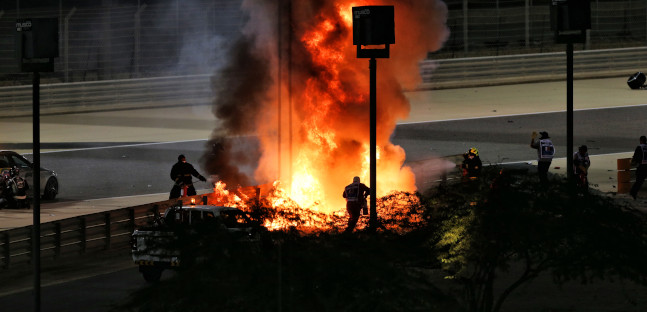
(240, 89)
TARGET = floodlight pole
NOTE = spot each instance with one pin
(36, 47)
(570, 20)
(569, 111)
(35, 239)
(373, 25)
(372, 64)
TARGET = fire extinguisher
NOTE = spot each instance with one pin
(364, 207)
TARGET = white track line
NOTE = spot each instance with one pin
(115, 146)
(515, 115)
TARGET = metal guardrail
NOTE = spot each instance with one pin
(108, 95)
(436, 74)
(110, 230)
(524, 68)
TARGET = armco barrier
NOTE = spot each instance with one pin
(108, 95)
(110, 230)
(436, 74)
(524, 68)
(102, 231)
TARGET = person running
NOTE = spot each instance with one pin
(355, 194)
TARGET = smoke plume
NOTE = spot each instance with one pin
(294, 82)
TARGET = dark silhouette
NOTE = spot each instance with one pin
(181, 174)
(581, 164)
(471, 164)
(639, 159)
(355, 194)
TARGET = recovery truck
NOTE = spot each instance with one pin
(164, 244)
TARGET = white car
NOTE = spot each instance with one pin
(48, 179)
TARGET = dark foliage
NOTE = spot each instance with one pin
(507, 219)
(475, 231)
(297, 272)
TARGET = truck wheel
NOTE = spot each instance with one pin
(151, 274)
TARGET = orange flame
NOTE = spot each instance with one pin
(399, 211)
(329, 92)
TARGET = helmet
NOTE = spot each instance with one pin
(544, 135)
(474, 151)
(181, 157)
(583, 148)
(356, 180)
(15, 171)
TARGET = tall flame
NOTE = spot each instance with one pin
(320, 93)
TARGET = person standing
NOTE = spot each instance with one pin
(581, 164)
(639, 159)
(355, 194)
(181, 174)
(471, 164)
(545, 153)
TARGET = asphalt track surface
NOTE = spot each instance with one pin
(130, 169)
(507, 138)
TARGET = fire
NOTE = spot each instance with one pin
(222, 197)
(328, 90)
(333, 146)
(398, 211)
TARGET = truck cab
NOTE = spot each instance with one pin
(159, 247)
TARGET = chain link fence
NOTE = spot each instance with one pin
(119, 39)
(504, 27)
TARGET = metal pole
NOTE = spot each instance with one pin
(465, 25)
(569, 111)
(138, 30)
(35, 246)
(290, 94)
(66, 43)
(527, 13)
(373, 142)
(278, 141)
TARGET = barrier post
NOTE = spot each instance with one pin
(107, 230)
(6, 250)
(624, 175)
(57, 239)
(82, 234)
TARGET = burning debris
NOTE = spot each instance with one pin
(399, 211)
(292, 104)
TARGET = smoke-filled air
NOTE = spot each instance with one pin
(292, 101)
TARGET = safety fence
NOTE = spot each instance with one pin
(107, 40)
(110, 230)
(504, 27)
